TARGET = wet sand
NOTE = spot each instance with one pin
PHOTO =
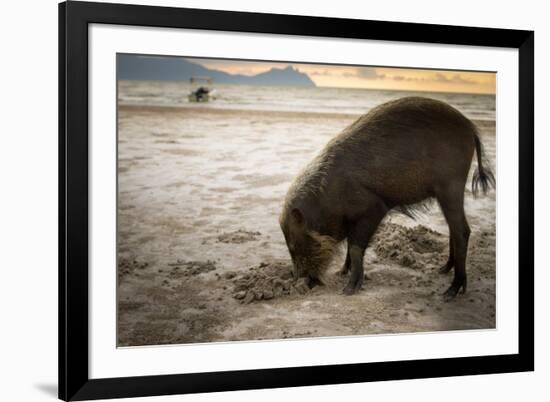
(202, 258)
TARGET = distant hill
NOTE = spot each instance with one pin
(157, 68)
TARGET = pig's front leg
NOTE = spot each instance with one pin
(357, 243)
(356, 253)
(347, 265)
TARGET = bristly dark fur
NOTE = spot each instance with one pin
(483, 177)
(414, 211)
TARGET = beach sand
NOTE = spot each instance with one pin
(201, 257)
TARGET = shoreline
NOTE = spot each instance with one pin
(257, 113)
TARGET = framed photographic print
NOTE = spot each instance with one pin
(258, 201)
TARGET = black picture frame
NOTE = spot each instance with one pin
(74, 18)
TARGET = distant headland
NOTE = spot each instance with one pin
(159, 68)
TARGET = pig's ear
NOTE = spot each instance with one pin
(297, 217)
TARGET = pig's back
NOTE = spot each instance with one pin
(403, 150)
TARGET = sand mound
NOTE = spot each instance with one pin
(415, 247)
(267, 281)
(181, 269)
(238, 237)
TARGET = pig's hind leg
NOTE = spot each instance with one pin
(357, 244)
(452, 205)
(451, 261)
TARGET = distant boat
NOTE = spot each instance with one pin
(202, 93)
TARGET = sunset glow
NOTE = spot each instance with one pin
(408, 79)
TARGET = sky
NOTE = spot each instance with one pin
(407, 79)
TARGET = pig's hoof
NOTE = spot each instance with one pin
(352, 288)
(445, 268)
(453, 290)
(349, 290)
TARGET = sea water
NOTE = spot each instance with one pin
(300, 99)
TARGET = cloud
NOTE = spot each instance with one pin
(366, 73)
(437, 78)
(319, 72)
(455, 79)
